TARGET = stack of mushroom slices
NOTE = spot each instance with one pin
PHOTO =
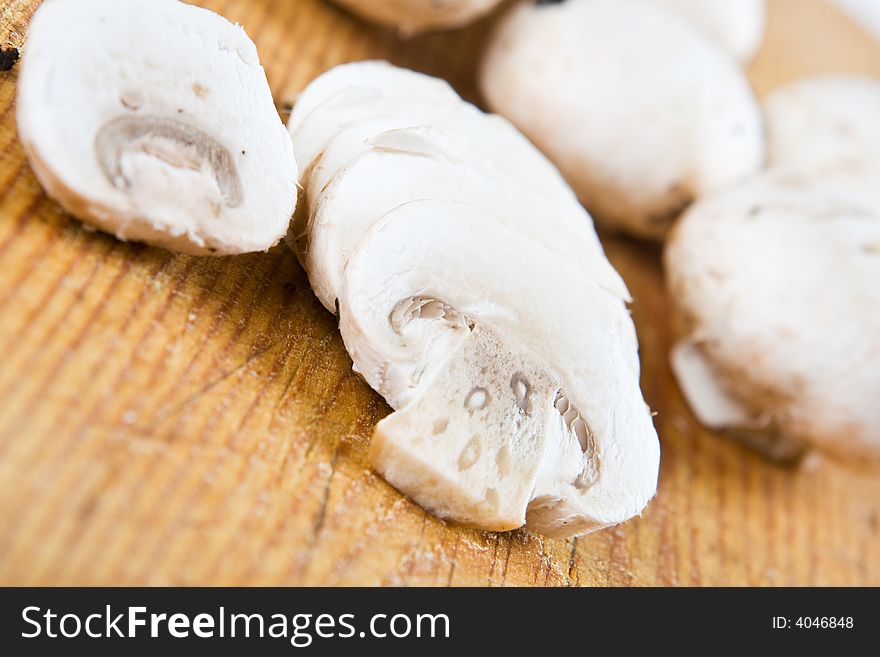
(473, 294)
(153, 120)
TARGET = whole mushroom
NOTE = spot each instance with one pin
(777, 285)
(639, 111)
(153, 120)
(473, 294)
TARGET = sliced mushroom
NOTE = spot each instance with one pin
(827, 130)
(641, 113)
(392, 150)
(738, 26)
(416, 163)
(414, 16)
(352, 93)
(359, 101)
(473, 294)
(549, 332)
(777, 282)
(153, 120)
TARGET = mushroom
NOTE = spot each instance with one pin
(153, 120)
(776, 282)
(473, 295)
(641, 113)
(415, 16)
(841, 117)
(737, 26)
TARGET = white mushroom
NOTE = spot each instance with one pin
(737, 25)
(474, 296)
(777, 282)
(153, 120)
(414, 16)
(827, 130)
(639, 111)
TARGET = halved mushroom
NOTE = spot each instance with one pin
(478, 302)
(737, 26)
(640, 112)
(827, 130)
(777, 282)
(414, 16)
(153, 120)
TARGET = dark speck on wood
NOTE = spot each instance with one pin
(8, 58)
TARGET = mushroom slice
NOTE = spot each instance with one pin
(639, 111)
(356, 92)
(737, 26)
(420, 287)
(414, 16)
(388, 97)
(827, 130)
(413, 163)
(777, 283)
(153, 120)
(367, 80)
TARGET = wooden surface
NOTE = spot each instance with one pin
(174, 420)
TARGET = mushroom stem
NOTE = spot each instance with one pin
(470, 445)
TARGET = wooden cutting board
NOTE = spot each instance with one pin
(176, 420)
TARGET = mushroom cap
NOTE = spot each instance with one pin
(737, 26)
(450, 247)
(640, 112)
(414, 16)
(827, 129)
(153, 120)
(777, 283)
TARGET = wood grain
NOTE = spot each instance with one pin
(176, 420)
